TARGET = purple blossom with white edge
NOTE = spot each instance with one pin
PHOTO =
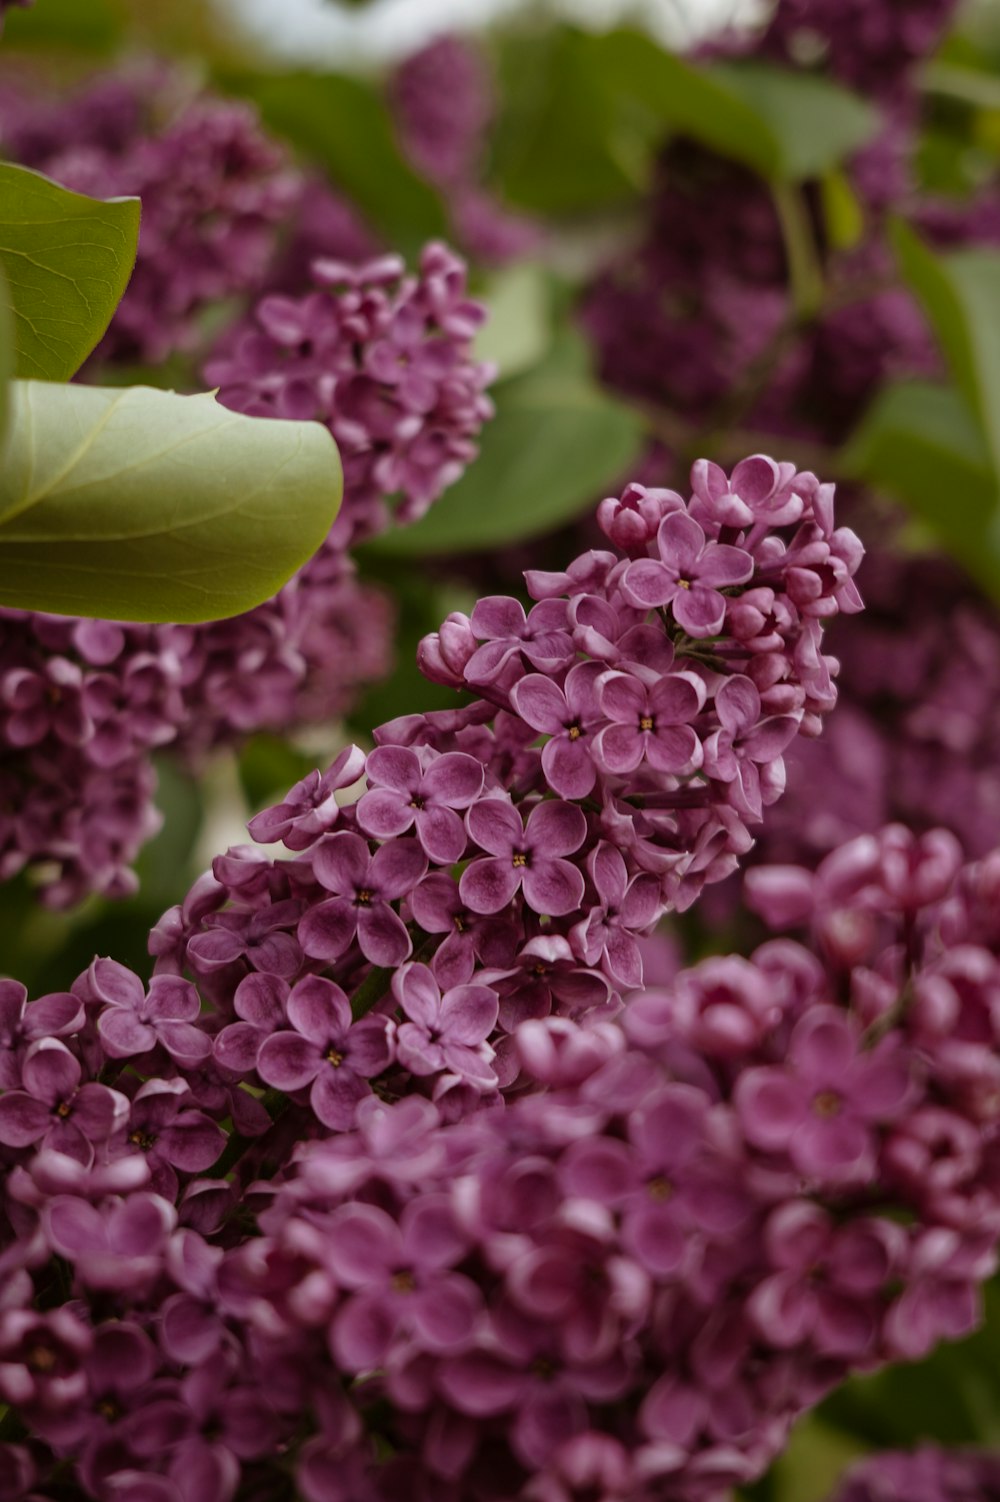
(325, 1050)
(445, 1032)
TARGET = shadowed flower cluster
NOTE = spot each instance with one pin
(927, 1475)
(615, 1255)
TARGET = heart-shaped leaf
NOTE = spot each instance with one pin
(67, 260)
(142, 505)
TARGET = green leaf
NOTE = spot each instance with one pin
(67, 259)
(922, 444)
(518, 328)
(567, 140)
(95, 26)
(344, 126)
(555, 446)
(6, 354)
(785, 125)
(146, 506)
(961, 295)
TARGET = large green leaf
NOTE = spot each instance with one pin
(961, 295)
(67, 259)
(141, 505)
(922, 444)
(555, 446)
(518, 327)
(93, 26)
(343, 125)
(567, 140)
(787, 126)
(6, 354)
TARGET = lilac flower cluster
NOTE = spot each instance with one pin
(870, 44)
(215, 191)
(385, 359)
(382, 358)
(917, 732)
(442, 98)
(927, 1475)
(608, 1256)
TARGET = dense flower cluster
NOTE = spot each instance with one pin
(927, 1475)
(384, 360)
(215, 191)
(917, 731)
(607, 1255)
(870, 44)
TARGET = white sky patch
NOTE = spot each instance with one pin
(325, 34)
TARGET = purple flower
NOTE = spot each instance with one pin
(546, 976)
(41, 1359)
(255, 938)
(326, 1051)
(689, 576)
(623, 909)
(119, 1247)
(745, 741)
(501, 623)
(822, 1106)
(400, 1276)
(649, 722)
(54, 1109)
(407, 789)
(445, 1032)
(259, 1002)
(363, 885)
(134, 1021)
(163, 1125)
(528, 857)
(310, 808)
(567, 716)
(22, 1023)
(438, 907)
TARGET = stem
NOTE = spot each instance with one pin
(804, 271)
(371, 990)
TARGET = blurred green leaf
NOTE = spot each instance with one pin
(343, 125)
(922, 444)
(951, 1398)
(67, 260)
(91, 26)
(785, 125)
(556, 444)
(568, 140)
(6, 354)
(961, 296)
(518, 329)
(142, 505)
(843, 213)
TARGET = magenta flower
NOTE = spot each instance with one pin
(567, 716)
(821, 1107)
(259, 1003)
(119, 1247)
(689, 576)
(407, 790)
(363, 886)
(546, 976)
(134, 1021)
(649, 722)
(438, 908)
(500, 622)
(400, 1276)
(54, 1109)
(623, 909)
(325, 1050)
(446, 1032)
(256, 937)
(310, 809)
(528, 858)
(745, 742)
(171, 1135)
(23, 1022)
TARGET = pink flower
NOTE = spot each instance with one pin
(526, 857)
(690, 575)
(446, 1032)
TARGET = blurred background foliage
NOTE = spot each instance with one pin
(617, 162)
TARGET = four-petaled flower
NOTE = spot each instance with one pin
(527, 857)
(688, 576)
(745, 742)
(446, 1032)
(324, 1049)
(363, 886)
(422, 789)
(567, 716)
(649, 722)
